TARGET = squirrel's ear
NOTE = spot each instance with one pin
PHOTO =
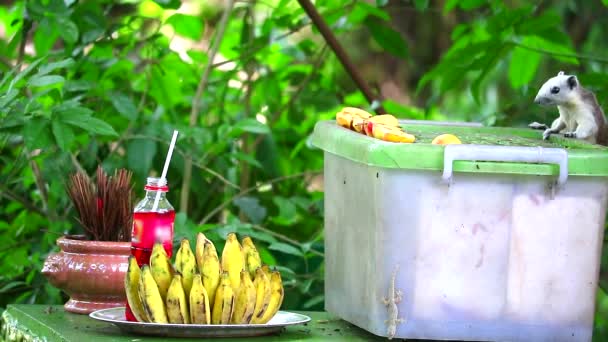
(572, 82)
(560, 73)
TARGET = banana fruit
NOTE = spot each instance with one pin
(186, 265)
(252, 257)
(177, 305)
(161, 268)
(200, 311)
(233, 261)
(384, 127)
(132, 290)
(201, 288)
(262, 293)
(150, 297)
(224, 301)
(276, 297)
(244, 301)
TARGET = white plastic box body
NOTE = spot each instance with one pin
(490, 257)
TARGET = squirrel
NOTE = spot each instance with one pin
(580, 115)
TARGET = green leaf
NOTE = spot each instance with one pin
(91, 124)
(471, 4)
(285, 248)
(450, 5)
(67, 30)
(363, 10)
(47, 68)
(140, 154)
(45, 80)
(316, 300)
(403, 111)
(70, 112)
(389, 39)
(421, 5)
(37, 133)
(124, 105)
(251, 126)
(168, 4)
(381, 3)
(558, 51)
(605, 2)
(523, 66)
(64, 135)
(45, 36)
(251, 207)
(7, 98)
(248, 158)
(488, 62)
(288, 213)
(189, 26)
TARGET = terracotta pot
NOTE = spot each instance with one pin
(90, 272)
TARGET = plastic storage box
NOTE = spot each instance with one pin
(496, 239)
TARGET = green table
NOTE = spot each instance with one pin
(30, 322)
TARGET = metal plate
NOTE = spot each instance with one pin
(116, 316)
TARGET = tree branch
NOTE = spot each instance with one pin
(251, 189)
(185, 192)
(330, 38)
(286, 239)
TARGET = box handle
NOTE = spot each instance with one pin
(519, 154)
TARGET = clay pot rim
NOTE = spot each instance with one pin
(77, 244)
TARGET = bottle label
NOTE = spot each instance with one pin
(150, 227)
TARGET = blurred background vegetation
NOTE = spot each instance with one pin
(106, 82)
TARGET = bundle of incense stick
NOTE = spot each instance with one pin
(104, 210)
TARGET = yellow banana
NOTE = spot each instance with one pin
(262, 290)
(224, 301)
(161, 268)
(150, 297)
(244, 301)
(252, 257)
(232, 260)
(199, 251)
(211, 270)
(200, 311)
(186, 265)
(132, 288)
(177, 304)
(276, 298)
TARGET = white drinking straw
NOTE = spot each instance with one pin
(163, 179)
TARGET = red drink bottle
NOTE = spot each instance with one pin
(151, 225)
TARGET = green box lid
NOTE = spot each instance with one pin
(581, 158)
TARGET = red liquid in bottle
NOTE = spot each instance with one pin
(149, 227)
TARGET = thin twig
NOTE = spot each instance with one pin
(202, 84)
(184, 154)
(285, 238)
(251, 189)
(246, 146)
(41, 185)
(561, 54)
(7, 193)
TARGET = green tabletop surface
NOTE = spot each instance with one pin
(22, 322)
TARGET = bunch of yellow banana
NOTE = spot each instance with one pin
(384, 127)
(201, 288)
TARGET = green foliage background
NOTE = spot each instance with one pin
(106, 82)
